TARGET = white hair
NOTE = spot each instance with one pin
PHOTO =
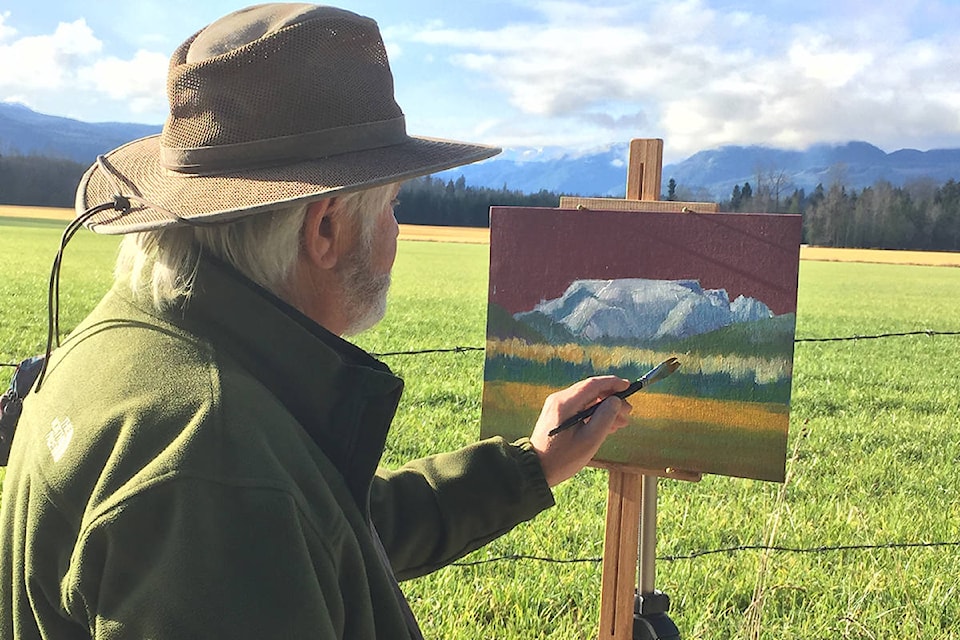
(160, 265)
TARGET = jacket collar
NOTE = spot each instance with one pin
(343, 397)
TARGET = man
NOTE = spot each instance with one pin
(200, 457)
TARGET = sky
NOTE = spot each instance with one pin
(543, 75)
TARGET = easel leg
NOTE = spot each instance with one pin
(647, 575)
(620, 556)
(650, 619)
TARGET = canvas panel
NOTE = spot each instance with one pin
(576, 293)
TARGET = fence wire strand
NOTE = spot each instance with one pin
(417, 352)
(727, 550)
(921, 332)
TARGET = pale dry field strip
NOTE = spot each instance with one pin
(482, 236)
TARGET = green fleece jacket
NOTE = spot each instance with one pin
(212, 472)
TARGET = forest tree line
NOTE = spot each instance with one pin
(39, 181)
(919, 215)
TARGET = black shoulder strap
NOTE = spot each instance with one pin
(11, 402)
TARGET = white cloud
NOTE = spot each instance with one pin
(833, 67)
(586, 73)
(67, 73)
(48, 62)
(6, 31)
(702, 77)
(141, 80)
(15, 99)
(394, 50)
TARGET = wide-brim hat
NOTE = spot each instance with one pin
(271, 105)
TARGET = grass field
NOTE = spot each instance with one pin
(874, 447)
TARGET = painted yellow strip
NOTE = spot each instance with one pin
(655, 406)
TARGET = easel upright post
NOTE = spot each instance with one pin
(645, 169)
(626, 612)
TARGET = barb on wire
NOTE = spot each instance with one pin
(728, 550)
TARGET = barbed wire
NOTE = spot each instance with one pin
(877, 336)
(923, 332)
(728, 550)
(416, 352)
(422, 351)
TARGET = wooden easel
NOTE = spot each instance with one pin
(631, 492)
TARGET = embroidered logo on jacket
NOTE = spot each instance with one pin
(59, 437)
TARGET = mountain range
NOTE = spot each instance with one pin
(709, 174)
(27, 132)
(712, 174)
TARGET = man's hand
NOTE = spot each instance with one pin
(564, 454)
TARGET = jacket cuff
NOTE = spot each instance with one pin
(529, 463)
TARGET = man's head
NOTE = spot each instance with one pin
(331, 259)
(344, 265)
(272, 108)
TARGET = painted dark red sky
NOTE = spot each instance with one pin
(536, 253)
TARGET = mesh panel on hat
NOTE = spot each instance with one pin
(320, 74)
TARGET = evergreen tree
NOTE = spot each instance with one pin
(736, 198)
(945, 218)
(672, 189)
(38, 180)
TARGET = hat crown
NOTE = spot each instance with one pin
(247, 25)
(272, 72)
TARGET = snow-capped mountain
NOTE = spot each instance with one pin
(640, 309)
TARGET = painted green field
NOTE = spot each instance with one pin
(874, 447)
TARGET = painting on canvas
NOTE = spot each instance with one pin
(580, 293)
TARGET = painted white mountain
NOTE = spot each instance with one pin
(640, 309)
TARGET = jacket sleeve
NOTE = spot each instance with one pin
(434, 510)
(191, 559)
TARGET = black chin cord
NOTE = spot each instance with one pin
(119, 203)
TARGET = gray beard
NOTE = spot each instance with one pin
(366, 293)
(366, 315)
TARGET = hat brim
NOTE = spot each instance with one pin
(164, 197)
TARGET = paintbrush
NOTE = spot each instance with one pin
(659, 372)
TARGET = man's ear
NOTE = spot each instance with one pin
(324, 233)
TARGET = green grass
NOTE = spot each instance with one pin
(874, 447)
(26, 254)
